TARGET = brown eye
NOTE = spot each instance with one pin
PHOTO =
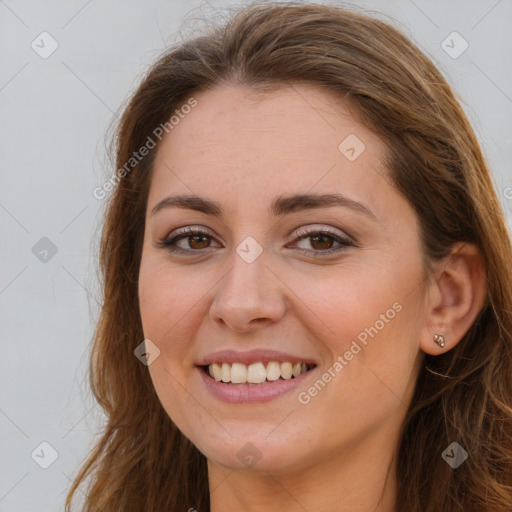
(321, 242)
(188, 241)
(198, 241)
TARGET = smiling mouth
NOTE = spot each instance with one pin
(256, 373)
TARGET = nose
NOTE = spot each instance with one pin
(248, 297)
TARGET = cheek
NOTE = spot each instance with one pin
(167, 296)
(351, 301)
(371, 318)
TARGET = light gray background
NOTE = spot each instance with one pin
(55, 114)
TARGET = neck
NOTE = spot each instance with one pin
(361, 479)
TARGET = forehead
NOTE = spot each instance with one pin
(234, 143)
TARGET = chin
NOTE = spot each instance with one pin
(253, 453)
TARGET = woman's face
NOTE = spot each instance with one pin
(302, 257)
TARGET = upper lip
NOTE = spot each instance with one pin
(252, 356)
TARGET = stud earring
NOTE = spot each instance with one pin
(439, 339)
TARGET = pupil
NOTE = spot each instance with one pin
(195, 238)
(326, 241)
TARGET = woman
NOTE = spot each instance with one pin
(307, 299)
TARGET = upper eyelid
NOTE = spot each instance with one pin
(312, 229)
(190, 231)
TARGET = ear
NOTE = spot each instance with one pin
(456, 294)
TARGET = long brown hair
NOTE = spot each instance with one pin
(142, 462)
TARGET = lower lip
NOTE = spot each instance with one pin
(252, 393)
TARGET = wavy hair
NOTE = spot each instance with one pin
(142, 462)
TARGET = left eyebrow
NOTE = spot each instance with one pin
(281, 205)
(288, 204)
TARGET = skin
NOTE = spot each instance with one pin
(337, 452)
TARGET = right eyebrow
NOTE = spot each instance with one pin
(189, 203)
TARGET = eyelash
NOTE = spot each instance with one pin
(301, 233)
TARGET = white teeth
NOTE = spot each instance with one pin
(226, 372)
(255, 373)
(238, 373)
(273, 370)
(286, 370)
(217, 371)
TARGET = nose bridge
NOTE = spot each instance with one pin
(248, 291)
